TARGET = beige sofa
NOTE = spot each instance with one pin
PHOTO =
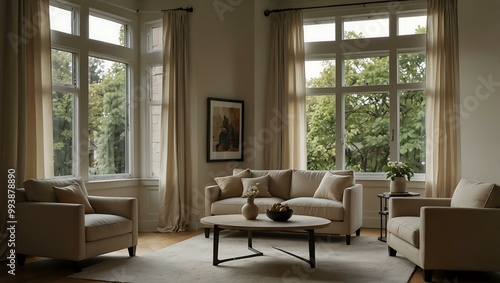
(297, 189)
(457, 233)
(50, 226)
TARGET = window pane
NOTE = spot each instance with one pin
(61, 19)
(156, 39)
(321, 121)
(366, 27)
(107, 117)
(412, 25)
(320, 73)
(62, 115)
(412, 67)
(156, 82)
(62, 67)
(106, 30)
(366, 131)
(412, 129)
(316, 32)
(155, 118)
(367, 71)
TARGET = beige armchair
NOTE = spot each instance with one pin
(458, 233)
(53, 225)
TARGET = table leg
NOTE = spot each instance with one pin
(215, 260)
(312, 249)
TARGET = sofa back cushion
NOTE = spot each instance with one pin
(472, 193)
(41, 189)
(305, 182)
(279, 181)
(494, 198)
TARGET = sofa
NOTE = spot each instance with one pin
(56, 218)
(460, 233)
(333, 195)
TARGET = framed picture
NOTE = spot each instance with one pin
(224, 130)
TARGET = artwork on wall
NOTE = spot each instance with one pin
(224, 130)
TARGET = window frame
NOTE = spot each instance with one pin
(338, 50)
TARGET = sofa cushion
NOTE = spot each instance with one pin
(41, 189)
(494, 198)
(73, 194)
(407, 228)
(332, 186)
(320, 207)
(305, 182)
(263, 186)
(101, 226)
(230, 186)
(279, 181)
(233, 205)
(471, 193)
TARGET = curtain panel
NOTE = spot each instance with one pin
(286, 97)
(442, 100)
(175, 185)
(26, 97)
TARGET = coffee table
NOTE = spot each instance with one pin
(263, 223)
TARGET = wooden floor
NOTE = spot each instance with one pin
(50, 270)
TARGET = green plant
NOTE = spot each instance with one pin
(398, 169)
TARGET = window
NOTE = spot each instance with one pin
(365, 89)
(156, 85)
(91, 93)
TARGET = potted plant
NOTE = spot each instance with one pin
(398, 172)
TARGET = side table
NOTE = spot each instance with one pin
(384, 210)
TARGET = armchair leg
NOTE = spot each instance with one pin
(427, 275)
(358, 232)
(392, 252)
(207, 233)
(21, 259)
(348, 239)
(131, 251)
(76, 266)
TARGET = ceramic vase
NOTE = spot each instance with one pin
(398, 185)
(250, 210)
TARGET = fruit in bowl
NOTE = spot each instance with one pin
(279, 212)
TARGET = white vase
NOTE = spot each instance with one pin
(250, 210)
(398, 185)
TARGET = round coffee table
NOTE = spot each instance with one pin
(263, 223)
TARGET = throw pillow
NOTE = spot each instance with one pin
(263, 186)
(73, 194)
(332, 186)
(471, 193)
(230, 186)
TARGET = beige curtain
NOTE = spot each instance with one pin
(175, 184)
(442, 99)
(25, 98)
(286, 97)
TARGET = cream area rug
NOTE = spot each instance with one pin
(365, 260)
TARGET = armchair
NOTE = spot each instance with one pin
(48, 225)
(458, 233)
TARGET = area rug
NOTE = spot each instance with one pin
(365, 260)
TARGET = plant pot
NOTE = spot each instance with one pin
(250, 210)
(398, 185)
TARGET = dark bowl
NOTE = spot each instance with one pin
(281, 216)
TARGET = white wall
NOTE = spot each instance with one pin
(480, 88)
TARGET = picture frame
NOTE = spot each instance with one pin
(224, 129)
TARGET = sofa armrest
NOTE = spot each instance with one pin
(123, 206)
(211, 195)
(41, 224)
(410, 206)
(353, 207)
(463, 238)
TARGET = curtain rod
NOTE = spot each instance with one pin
(267, 12)
(187, 9)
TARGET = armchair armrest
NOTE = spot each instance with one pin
(405, 206)
(353, 206)
(41, 225)
(458, 238)
(211, 195)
